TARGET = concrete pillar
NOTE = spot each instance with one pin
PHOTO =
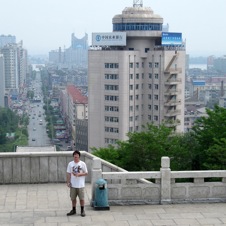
(165, 181)
(96, 174)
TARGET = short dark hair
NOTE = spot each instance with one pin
(76, 152)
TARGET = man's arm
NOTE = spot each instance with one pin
(68, 179)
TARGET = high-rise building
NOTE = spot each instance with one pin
(16, 68)
(136, 76)
(11, 67)
(7, 39)
(2, 83)
(75, 56)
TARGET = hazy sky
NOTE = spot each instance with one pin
(46, 25)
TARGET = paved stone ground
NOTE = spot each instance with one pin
(47, 204)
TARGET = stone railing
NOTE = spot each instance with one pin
(123, 187)
(127, 188)
(43, 167)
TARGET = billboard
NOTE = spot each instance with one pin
(109, 39)
(171, 38)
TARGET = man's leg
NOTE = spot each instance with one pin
(73, 202)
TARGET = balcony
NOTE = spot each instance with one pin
(170, 113)
(172, 123)
(172, 103)
(173, 71)
(173, 81)
(170, 92)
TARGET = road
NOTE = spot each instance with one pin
(37, 124)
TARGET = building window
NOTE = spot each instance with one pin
(149, 107)
(131, 108)
(110, 141)
(131, 118)
(150, 64)
(111, 65)
(156, 97)
(150, 75)
(131, 129)
(137, 97)
(111, 76)
(137, 76)
(111, 98)
(131, 87)
(142, 75)
(112, 108)
(131, 97)
(111, 119)
(137, 65)
(156, 76)
(111, 87)
(149, 117)
(142, 64)
(111, 130)
(137, 86)
(156, 107)
(137, 107)
(131, 76)
(149, 86)
(156, 64)
(156, 118)
(149, 96)
(131, 65)
(156, 86)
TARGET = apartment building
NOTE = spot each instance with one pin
(136, 76)
(78, 117)
(2, 83)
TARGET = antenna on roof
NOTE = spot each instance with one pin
(137, 3)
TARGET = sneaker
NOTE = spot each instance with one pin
(83, 214)
(72, 212)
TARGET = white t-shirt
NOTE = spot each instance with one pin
(73, 168)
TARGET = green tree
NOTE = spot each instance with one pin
(142, 151)
(209, 132)
(216, 156)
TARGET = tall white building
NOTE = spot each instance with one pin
(136, 76)
(11, 67)
(16, 67)
(2, 79)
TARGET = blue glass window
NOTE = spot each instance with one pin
(137, 27)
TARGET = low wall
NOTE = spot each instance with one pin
(123, 187)
(43, 167)
(127, 188)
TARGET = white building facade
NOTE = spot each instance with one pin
(2, 83)
(136, 81)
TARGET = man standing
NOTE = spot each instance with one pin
(76, 173)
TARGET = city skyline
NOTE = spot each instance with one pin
(47, 25)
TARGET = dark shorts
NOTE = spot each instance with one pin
(74, 192)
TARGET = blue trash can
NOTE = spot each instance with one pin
(101, 195)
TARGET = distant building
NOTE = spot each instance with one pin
(15, 68)
(73, 57)
(2, 83)
(7, 39)
(78, 117)
(219, 64)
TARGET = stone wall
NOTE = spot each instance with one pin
(127, 188)
(123, 187)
